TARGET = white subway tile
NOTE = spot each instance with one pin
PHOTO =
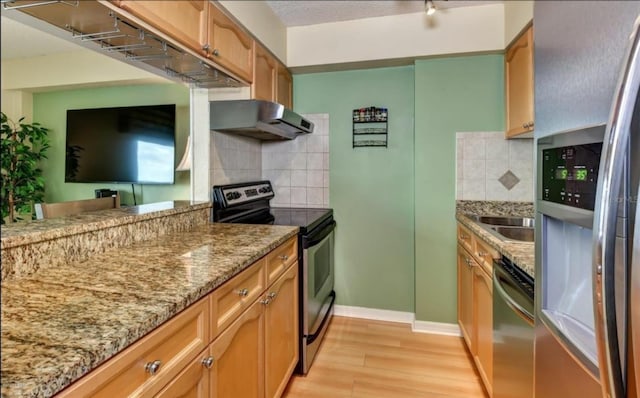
(473, 189)
(299, 161)
(315, 143)
(315, 179)
(325, 161)
(315, 196)
(282, 196)
(474, 169)
(315, 161)
(298, 178)
(325, 183)
(496, 191)
(298, 196)
(474, 148)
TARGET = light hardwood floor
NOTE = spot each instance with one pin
(373, 359)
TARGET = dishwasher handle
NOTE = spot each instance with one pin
(517, 308)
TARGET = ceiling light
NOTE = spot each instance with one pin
(429, 7)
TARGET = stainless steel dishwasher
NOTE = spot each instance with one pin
(513, 333)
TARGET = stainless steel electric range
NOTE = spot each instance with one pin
(248, 203)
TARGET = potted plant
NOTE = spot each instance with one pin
(23, 146)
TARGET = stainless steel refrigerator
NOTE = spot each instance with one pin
(587, 64)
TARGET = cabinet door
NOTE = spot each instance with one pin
(192, 382)
(238, 355)
(229, 45)
(281, 332)
(185, 21)
(284, 87)
(264, 77)
(465, 297)
(519, 85)
(483, 299)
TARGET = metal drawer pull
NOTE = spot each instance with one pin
(464, 237)
(243, 292)
(482, 254)
(208, 362)
(272, 295)
(152, 367)
(468, 261)
(283, 257)
(216, 52)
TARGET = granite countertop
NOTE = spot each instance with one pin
(520, 253)
(23, 233)
(60, 323)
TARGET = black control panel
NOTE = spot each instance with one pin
(570, 175)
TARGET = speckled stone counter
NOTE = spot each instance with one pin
(62, 322)
(495, 208)
(520, 253)
(29, 246)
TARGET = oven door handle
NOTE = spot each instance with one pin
(311, 240)
(311, 337)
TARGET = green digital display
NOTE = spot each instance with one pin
(579, 174)
(562, 174)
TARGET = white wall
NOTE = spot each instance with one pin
(517, 15)
(450, 31)
(260, 20)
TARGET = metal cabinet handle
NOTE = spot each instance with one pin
(208, 362)
(152, 367)
(243, 292)
(215, 52)
(463, 237)
(265, 301)
(272, 295)
(468, 261)
(283, 257)
(206, 48)
(482, 254)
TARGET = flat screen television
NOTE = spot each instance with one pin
(134, 144)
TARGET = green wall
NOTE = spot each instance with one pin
(371, 188)
(50, 110)
(457, 94)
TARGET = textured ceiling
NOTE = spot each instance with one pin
(19, 40)
(310, 12)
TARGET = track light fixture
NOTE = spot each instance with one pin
(429, 7)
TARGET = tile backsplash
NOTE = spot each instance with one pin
(488, 167)
(235, 158)
(299, 169)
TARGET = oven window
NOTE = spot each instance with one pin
(321, 265)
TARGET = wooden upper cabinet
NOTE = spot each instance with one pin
(284, 87)
(185, 21)
(228, 45)
(264, 77)
(519, 85)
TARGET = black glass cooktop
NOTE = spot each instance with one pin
(306, 219)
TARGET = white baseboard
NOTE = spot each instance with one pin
(448, 329)
(373, 313)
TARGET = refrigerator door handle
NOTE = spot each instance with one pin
(616, 144)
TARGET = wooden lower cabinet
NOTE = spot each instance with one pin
(483, 301)
(281, 332)
(465, 297)
(238, 357)
(192, 382)
(251, 356)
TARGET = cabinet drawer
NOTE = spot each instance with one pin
(485, 254)
(281, 258)
(171, 347)
(230, 299)
(465, 238)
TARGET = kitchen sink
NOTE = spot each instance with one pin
(516, 229)
(524, 234)
(504, 220)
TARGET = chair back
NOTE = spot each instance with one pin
(61, 209)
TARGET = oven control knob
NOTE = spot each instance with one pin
(229, 195)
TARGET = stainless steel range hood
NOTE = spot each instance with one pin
(263, 120)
